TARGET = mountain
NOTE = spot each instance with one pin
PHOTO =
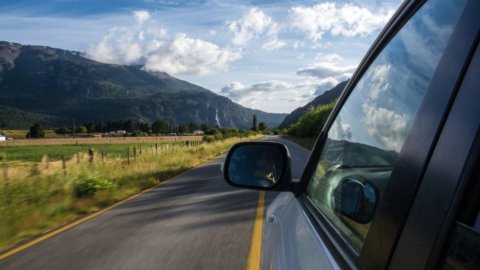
(54, 87)
(323, 99)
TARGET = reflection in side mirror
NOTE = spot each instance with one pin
(356, 200)
(256, 165)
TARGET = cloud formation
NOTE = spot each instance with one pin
(141, 16)
(348, 20)
(148, 45)
(270, 95)
(327, 70)
(184, 55)
(255, 24)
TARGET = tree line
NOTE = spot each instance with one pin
(141, 128)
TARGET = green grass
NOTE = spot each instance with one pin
(21, 133)
(35, 197)
(35, 153)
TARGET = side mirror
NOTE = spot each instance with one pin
(356, 200)
(258, 165)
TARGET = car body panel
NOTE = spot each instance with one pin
(291, 240)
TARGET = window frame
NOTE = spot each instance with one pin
(453, 163)
(412, 160)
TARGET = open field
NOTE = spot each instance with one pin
(100, 140)
(39, 195)
(117, 148)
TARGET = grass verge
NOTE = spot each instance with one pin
(35, 197)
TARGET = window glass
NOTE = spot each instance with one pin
(364, 141)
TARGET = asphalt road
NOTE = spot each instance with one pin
(194, 221)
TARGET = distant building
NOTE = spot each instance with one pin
(198, 132)
(3, 138)
(121, 131)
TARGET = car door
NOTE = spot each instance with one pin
(369, 159)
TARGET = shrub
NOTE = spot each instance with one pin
(208, 138)
(86, 187)
(311, 123)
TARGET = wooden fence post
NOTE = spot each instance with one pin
(128, 155)
(134, 153)
(5, 172)
(103, 156)
(64, 165)
(78, 158)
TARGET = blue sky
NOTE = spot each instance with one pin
(268, 55)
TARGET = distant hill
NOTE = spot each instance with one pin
(323, 99)
(54, 87)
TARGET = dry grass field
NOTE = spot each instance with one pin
(40, 194)
(99, 140)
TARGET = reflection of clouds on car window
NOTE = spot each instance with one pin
(386, 126)
(340, 131)
(378, 81)
(381, 109)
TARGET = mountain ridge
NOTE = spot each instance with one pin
(323, 99)
(62, 86)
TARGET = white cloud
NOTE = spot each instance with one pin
(349, 20)
(328, 71)
(386, 126)
(184, 55)
(141, 16)
(274, 95)
(273, 45)
(150, 46)
(118, 46)
(253, 25)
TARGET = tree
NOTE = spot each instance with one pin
(81, 129)
(73, 127)
(262, 126)
(36, 131)
(144, 127)
(160, 127)
(184, 128)
(63, 130)
(254, 124)
(99, 127)
(89, 126)
(311, 123)
(128, 125)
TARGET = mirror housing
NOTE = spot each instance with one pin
(259, 166)
(356, 200)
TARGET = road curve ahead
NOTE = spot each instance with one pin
(193, 221)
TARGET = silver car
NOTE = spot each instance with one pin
(393, 179)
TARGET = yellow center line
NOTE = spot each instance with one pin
(253, 262)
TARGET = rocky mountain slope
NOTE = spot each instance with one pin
(54, 87)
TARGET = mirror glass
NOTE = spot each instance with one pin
(356, 200)
(256, 165)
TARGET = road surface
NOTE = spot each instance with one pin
(193, 221)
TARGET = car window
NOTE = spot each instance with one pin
(368, 133)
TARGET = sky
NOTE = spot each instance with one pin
(270, 55)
